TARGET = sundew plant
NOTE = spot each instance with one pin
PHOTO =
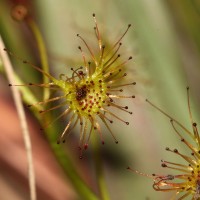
(184, 181)
(74, 79)
(88, 92)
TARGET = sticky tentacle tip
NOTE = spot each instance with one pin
(58, 142)
(86, 146)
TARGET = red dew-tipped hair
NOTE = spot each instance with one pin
(107, 62)
(32, 65)
(140, 173)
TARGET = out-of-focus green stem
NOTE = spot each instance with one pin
(42, 51)
(68, 167)
(99, 169)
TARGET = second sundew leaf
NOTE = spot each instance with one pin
(184, 182)
(90, 92)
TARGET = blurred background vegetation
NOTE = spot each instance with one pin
(165, 45)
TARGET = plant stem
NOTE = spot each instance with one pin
(42, 51)
(99, 169)
(61, 155)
